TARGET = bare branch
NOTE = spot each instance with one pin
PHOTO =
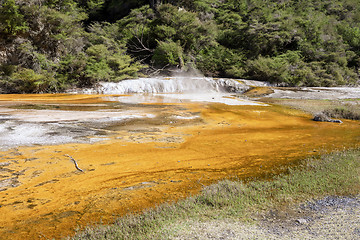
(74, 161)
(157, 70)
(139, 46)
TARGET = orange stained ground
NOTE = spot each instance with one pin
(122, 176)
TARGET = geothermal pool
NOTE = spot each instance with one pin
(139, 150)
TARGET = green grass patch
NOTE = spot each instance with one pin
(333, 174)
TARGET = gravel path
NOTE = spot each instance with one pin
(328, 218)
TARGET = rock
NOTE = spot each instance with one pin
(321, 117)
(336, 121)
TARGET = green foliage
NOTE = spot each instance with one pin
(189, 30)
(351, 35)
(297, 43)
(221, 61)
(292, 70)
(96, 66)
(7, 70)
(11, 20)
(104, 58)
(279, 69)
(268, 69)
(92, 5)
(107, 58)
(106, 64)
(171, 37)
(168, 54)
(25, 80)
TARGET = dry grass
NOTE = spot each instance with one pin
(347, 112)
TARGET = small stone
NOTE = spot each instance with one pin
(336, 121)
(301, 221)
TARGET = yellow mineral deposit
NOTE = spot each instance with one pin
(45, 195)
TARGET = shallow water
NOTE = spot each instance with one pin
(138, 153)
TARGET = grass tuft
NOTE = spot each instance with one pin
(342, 112)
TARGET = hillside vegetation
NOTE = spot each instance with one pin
(50, 45)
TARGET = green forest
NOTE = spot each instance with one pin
(52, 45)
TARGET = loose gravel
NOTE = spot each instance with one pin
(329, 218)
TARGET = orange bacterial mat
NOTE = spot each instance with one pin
(147, 162)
